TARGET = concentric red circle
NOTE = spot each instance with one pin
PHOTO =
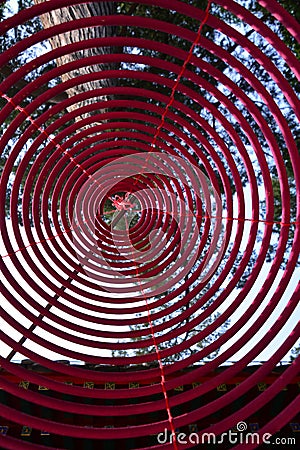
(135, 210)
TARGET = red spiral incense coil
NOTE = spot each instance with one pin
(123, 232)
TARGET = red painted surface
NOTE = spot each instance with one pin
(64, 163)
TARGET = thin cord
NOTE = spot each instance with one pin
(176, 84)
(172, 96)
(180, 75)
(157, 351)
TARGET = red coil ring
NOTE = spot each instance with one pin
(60, 171)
